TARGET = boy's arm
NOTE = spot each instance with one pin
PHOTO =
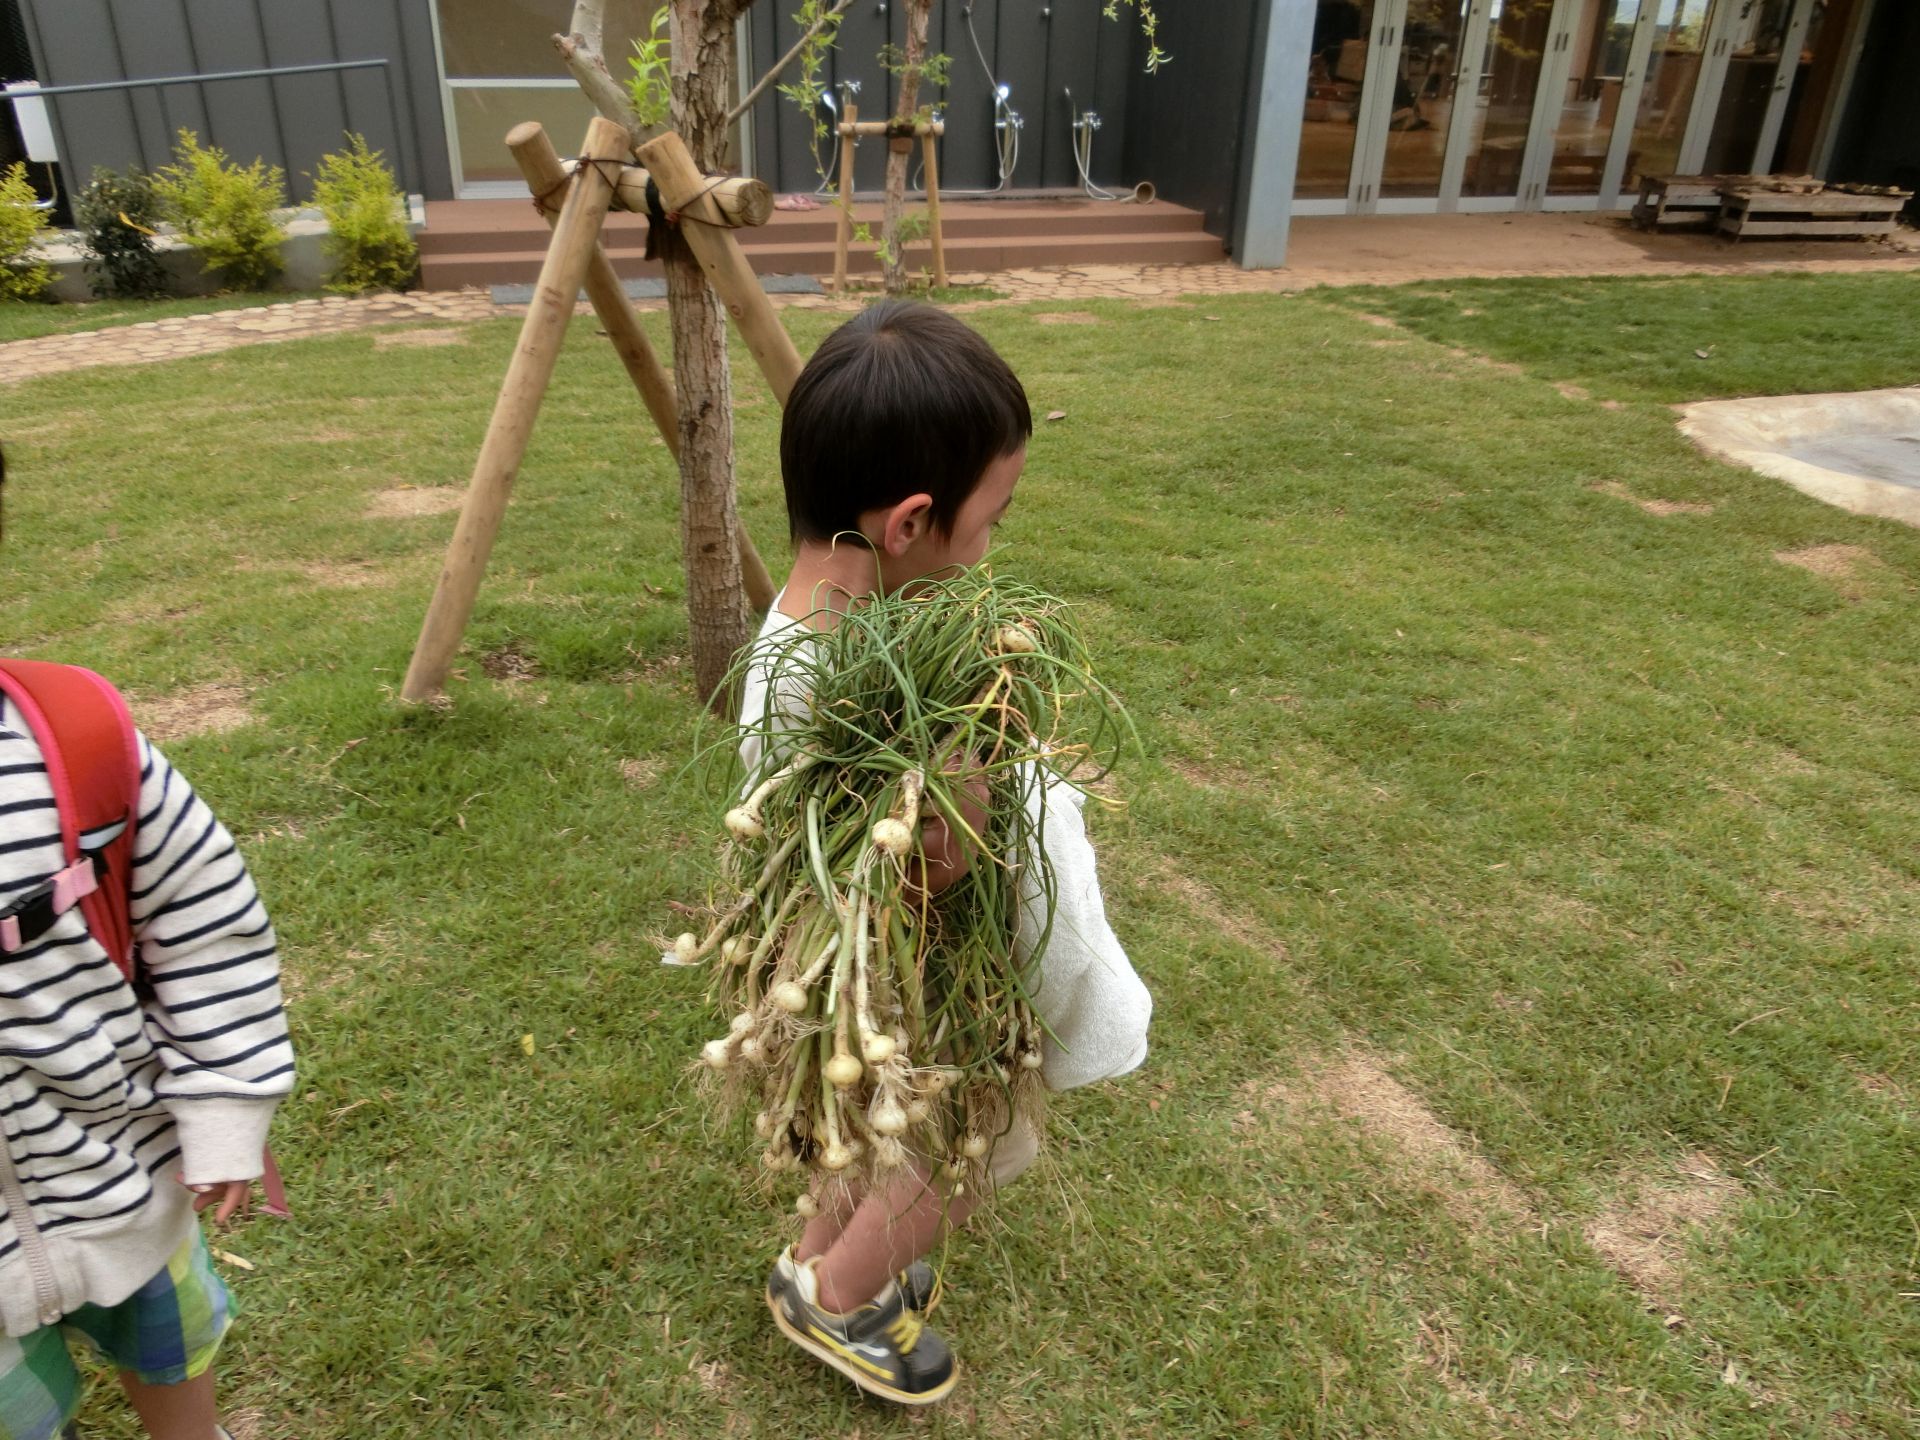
(211, 980)
(1089, 995)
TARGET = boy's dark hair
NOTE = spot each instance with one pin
(901, 400)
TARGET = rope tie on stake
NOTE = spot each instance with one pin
(658, 214)
(599, 167)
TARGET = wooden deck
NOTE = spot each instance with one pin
(500, 242)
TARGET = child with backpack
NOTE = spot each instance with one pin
(142, 1052)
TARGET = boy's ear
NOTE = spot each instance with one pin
(902, 524)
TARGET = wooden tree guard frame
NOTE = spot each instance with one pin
(575, 201)
(928, 133)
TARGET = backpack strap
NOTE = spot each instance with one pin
(87, 740)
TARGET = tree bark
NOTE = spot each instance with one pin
(899, 155)
(581, 50)
(717, 617)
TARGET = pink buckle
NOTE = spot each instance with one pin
(9, 934)
(74, 884)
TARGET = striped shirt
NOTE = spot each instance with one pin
(110, 1090)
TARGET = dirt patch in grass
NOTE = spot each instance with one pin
(509, 664)
(1381, 321)
(1653, 507)
(1358, 1089)
(1205, 903)
(1066, 317)
(640, 773)
(404, 501)
(1841, 564)
(426, 337)
(348, 575)
(200, 710)
(1643, 1236)
(1580, 392)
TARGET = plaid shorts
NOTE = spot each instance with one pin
(166, 1332)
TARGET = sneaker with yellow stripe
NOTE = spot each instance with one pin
(885, 1347)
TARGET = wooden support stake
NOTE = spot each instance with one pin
(681, 183)
(546, 176)
(930, 158)
(843, 229)
(575, 236)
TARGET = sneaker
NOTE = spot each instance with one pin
(919, 1283)
(885, 1347)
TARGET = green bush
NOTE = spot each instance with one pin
(225, 211)
(367, 235)
(23, 275)
(117, 214)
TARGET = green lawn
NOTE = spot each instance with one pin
(27, 320)
(1518, 873)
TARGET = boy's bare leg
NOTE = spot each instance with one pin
(837, 1199)
(174, 1412)
(889, 1230)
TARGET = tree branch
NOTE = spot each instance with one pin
(580, 49)
(760, 85)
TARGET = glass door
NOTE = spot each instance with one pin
(1340, 71)
(1678, 46)
(1425, 76)
(1762, 37)
(1501, 84)
(1596, 67)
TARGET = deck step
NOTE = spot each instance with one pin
(496, 242)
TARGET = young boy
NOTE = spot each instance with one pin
(125, 1109)
(901, 446)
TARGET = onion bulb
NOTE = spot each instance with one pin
(878, 1049)
(734, 951)
(743, 824)
(887, 1118)
(686, 949)
(741, 1023)
(715, 1053)
(1031, 1059)
(790, 997)
(975, 1147)
(892, 835)
(836, 1157)
(918, 1112)
(1014, 640)
(752, 1051)
(763, 1125)
(806, 1207)
(844, 1069)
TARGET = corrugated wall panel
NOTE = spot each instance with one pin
(290, 121)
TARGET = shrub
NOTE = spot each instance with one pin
(23, 275)
(366, 221)
(225, 211)
(117, 214)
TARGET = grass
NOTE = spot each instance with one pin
(1593, 829)
(28, 320)
(1641, 339)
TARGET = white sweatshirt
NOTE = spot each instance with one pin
(107, 1092)
(1088, 994)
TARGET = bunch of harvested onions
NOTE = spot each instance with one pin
(869, 1023)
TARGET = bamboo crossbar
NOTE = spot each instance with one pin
(740, 200)
(884, 127)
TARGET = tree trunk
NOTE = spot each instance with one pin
(703, 62)
(900, 153)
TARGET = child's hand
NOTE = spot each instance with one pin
(232, 1196)
(945, 855)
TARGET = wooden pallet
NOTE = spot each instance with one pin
(1667, 201)
(1764, 211)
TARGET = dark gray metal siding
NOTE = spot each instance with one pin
(1186, 124)
(1879, 141)
(1040, 48)
(290, 121)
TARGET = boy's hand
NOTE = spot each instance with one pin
(945, 856)
(232, 1196)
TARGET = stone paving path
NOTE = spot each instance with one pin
(1347, 250)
